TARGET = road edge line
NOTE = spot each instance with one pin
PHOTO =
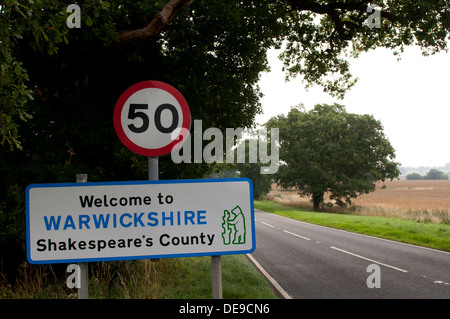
(269, 278)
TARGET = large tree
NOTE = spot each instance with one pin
(327, 150)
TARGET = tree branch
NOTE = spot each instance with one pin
(157, 24)
(332, 9)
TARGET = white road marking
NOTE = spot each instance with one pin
(268, 224)
(296, 235)
(371, 260)
(270, 278)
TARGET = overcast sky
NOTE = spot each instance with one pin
(410, 97)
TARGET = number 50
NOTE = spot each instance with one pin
(134, 113)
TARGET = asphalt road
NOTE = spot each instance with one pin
(310, 261)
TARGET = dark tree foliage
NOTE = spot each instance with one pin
(212, 52)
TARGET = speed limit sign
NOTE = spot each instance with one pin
(152, 118)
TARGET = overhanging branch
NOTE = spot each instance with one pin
(157, 24)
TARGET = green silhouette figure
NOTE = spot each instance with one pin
(226, 230)
(233, 226)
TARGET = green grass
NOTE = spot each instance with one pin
(177, 278)
(423, 234)
(191, 278)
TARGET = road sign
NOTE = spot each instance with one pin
(152, 118)
(82, 222)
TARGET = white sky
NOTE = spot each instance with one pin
(410, 97)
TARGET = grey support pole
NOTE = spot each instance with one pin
(216, 262)
(153, 174)
(83, 291)
(153, 168)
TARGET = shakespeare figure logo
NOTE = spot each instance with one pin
(233, 226)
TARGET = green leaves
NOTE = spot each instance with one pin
(318, 45)
(41, 25)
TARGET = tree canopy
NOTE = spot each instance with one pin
(209, 35)
(329, 150)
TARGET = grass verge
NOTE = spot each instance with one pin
(177, 278)
(423, 234)
(191, 278)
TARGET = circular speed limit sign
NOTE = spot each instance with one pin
(152, 118)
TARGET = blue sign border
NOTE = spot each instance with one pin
(175, 181)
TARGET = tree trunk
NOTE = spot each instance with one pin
(317, 200)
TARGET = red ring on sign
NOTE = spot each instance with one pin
(155, 151)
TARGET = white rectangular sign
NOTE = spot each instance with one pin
(81, 222)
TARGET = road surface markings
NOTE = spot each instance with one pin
(268, 224)
(269, 277)
(371, 260)
(339, 249)
(296, 235)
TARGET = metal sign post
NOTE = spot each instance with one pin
(140, 125)
(153, 174)
(216, 262)
(153, 168)
(83, 291)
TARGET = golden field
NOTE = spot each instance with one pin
(424, 201)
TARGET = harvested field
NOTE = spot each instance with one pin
(409, 194)
(424, 201)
